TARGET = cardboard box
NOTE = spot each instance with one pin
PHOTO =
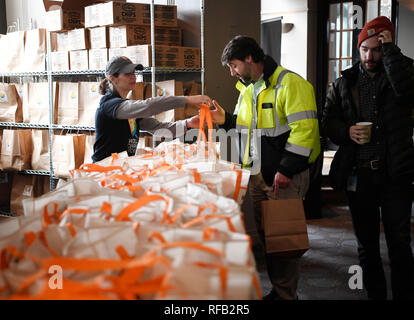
(66, 15)
(98, 38)
(79, 60)
(131, 35)
(69, 4)
(112, 52)
(60, 19)
(78, 39)
(118, 13)
(165, 56)
(98, 59)
(60, 61)
(60, 41)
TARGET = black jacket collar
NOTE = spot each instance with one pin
(351, 74)
(269, 68)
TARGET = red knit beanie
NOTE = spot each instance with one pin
(375, 27)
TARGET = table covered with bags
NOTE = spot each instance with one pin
(164, 224)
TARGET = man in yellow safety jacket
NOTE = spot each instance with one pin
(278, 138)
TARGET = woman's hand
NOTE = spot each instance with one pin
(197, 100)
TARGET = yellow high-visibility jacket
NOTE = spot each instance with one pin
(288, 139)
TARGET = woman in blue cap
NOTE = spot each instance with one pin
(113, 132)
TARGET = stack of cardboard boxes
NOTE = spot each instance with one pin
(86, 34)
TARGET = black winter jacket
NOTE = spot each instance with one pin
(395, 107)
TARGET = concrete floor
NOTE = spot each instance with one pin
(333, 249)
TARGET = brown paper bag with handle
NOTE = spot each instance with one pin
(35, 50)
(68, 153)
(10, 104)
(3, 52)
(22, 90)
(14, 56)
(40, 156)
(80, 141)
(68, 103)
(38, 102)
(285, 227)
(89, 142)
(16, 149)
(24, 187)
(89, 98)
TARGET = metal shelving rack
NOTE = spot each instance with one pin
(52, 74)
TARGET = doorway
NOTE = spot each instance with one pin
(271, 37)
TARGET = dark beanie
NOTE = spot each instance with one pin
(375, 27)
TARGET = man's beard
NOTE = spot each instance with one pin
(375, 68)
(246, 78)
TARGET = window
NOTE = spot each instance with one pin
(376, 8)
(340, 38)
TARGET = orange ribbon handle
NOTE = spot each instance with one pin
(212, 216)
(74, 211)
(238, 185)
(30, 238)
(201, 132)
(156, 235)
(207, 205)
(208, 232)
(114, 157)
(140, 202)
(205, 115)
(92, 167)
(179, 212)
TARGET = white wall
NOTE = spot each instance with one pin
(24, 10)
(294, 45)
(405, 29)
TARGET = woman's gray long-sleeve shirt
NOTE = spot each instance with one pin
(145, 109)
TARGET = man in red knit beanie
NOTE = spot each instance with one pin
(376, 171)
(375, 27)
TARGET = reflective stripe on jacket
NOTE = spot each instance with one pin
(294, 111)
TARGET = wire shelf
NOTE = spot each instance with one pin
(44, 126)
(24, 125)
(23, 74)
(33, 172)
(5, 213)
(94, 72)
(79, 128)
(80, 72)
(171, 70)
